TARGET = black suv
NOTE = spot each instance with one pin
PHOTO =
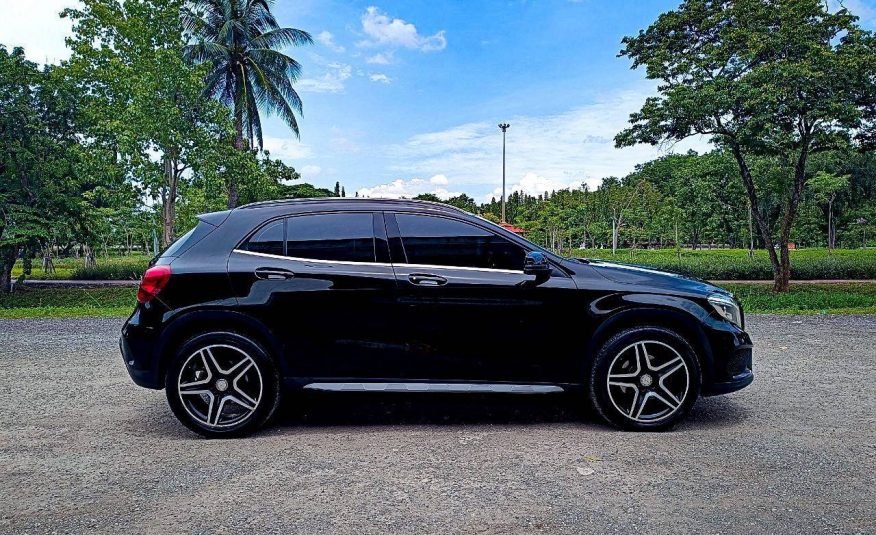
(361, 294)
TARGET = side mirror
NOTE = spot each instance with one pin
(536, 263)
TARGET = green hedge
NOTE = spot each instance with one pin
(734, 264)
(117, 268)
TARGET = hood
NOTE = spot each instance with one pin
(649, 277)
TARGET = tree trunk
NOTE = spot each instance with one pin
(8, 254)
(231, 181)
(613, 235)
(168, 210)
(831, 232)
(750, 233)
(762, 225)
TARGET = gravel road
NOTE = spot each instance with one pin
(83, 450)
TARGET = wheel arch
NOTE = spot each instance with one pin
(678, 320)
(193, 323)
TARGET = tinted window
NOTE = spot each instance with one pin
(268, 239)
(345, 237)
(188, 239)
(447, 242)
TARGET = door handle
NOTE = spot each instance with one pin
(426, 279)
(273, 274)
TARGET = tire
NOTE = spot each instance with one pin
(644, 379)
(222, 385)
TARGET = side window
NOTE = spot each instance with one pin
(343, 237)
(447, 242)
(268, 239)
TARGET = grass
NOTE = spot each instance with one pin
(734, 264)
(67, 302)
(108, 268)
(851, 298)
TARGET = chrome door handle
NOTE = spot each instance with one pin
(426, 279)
(273, 274)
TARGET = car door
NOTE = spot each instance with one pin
(468, 311)
(323, 284)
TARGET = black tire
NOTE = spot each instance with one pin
(662, 346)
(261, 383)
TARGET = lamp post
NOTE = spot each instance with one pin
(504, 127)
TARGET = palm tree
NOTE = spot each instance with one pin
(242, 40)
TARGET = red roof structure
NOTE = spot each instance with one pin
(512, 228)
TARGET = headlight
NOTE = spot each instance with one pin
(727, 308)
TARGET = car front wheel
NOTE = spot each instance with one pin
(645, 378)
(222, 385)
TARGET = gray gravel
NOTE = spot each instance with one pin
(83, 450)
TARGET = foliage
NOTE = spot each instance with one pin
(782, 79)
(734, 264)
(857, 298)
(240, 42)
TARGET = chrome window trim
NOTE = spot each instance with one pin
(380, 264)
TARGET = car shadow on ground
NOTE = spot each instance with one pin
(321, 410)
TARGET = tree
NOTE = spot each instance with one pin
(618, 199)
(240, 41)
(144, 101)
(428, 197)
(775, 78)
(39, 188)
(337, 189)
(826, 186)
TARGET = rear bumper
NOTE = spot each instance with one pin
(138, 352)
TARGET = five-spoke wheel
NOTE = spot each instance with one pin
(222, 384)
(645, 378)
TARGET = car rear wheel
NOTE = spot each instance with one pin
(222, 385)
(645, 378)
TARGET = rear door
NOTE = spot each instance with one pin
(468, 312)
(323, 284)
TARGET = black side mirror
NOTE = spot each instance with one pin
(536, 263)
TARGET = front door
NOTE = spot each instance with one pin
(468, 311)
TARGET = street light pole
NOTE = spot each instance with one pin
(504, 127)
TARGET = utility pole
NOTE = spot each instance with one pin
(504, 127)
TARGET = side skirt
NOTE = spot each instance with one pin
(452, 388)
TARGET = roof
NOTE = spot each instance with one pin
(410, 203)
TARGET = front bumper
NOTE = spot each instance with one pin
(732, 373)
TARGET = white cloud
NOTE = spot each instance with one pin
(385, 31)
(380, 58)
(288, 150)
(543, 152)
(310, 171)
(379, 77)
(533, 184)
(38, 27)
(332, 80)
(328, 40)
(410, 188)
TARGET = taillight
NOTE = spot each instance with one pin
(153, 281)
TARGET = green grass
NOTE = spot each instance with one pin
(108, 268)
(67, 302)
(734, 264)
(851, 298)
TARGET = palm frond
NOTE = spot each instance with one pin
(281, 38)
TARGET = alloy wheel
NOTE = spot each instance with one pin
(220, 386)
(648, 381)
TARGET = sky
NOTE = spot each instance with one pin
(404, 97)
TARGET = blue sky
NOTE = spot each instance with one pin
(403, 97)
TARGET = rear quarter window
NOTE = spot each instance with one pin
(185, 242)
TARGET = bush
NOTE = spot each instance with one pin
(113, 268)
(734, 264)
